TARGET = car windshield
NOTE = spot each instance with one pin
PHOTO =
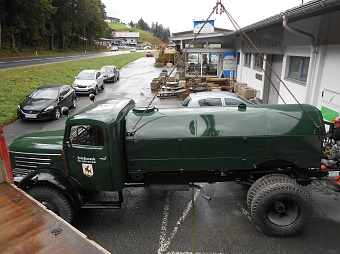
(186, 101)
(244, 100)
(44, 94)
(106, 69)
(85, 76)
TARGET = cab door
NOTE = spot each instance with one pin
(87, 155)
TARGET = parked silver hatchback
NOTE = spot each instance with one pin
(204, 99)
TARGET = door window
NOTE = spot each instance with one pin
(210, 102)
(90, 135)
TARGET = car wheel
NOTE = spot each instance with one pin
(57, 113)
(53, 200)
(114, 79)
(96, 90)
(74, 102)
(118, 76)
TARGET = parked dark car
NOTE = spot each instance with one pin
(110, 73)
(204, 99)
(46, 102)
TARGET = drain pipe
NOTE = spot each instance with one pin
(299, 32)
(312, 61)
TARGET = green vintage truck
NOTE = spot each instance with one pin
(111, 145)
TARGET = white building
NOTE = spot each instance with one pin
(302, 46)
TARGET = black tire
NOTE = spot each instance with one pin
(96, 90)
(74, 102)
(114, 79)
(281, 209)
(263, 182)
(53, 200)
(57, 113)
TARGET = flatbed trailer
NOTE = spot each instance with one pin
(28, 227)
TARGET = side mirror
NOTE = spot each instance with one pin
(242, 107)
(92, 97)
(65, 111)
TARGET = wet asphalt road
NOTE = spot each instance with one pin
(183, 222)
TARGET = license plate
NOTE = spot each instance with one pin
(30, 115)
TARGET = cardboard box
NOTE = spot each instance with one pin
(247, 92)
(237, 86)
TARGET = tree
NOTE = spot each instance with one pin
(142, 25)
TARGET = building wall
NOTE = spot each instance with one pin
(324, 59)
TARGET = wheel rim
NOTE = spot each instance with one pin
(283, 213)
(74, 102)
(57, 113)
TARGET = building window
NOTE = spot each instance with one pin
(202, 64)
(258, 62)
(247, 59)
(298, 68)
(238, 58)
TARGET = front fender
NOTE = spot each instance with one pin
(54, 179)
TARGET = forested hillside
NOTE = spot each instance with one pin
(55, 24)
(60, 25)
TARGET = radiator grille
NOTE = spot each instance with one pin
(25, 165)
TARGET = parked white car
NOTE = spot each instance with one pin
(207, 99)
(88, 81)
(133, 49)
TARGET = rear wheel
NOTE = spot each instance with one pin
(263, 182)
(281, 209)
(53, 200)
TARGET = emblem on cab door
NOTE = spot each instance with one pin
(87, 169)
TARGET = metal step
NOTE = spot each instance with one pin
(102, 205)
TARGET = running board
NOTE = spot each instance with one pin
(102, 205)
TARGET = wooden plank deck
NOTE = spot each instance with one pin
(27, 227)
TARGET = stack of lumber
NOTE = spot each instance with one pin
(223, 84)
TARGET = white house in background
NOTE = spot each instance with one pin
(125, 38)
(301, 44)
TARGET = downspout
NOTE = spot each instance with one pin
(312, 64)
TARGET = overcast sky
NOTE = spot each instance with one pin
(178, 15)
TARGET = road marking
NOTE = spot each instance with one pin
(163, 241)
(24, 60)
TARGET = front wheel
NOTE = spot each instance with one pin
(74, 102)
(57, 113)
(53, 200)
(281, 209)
(96, 90)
